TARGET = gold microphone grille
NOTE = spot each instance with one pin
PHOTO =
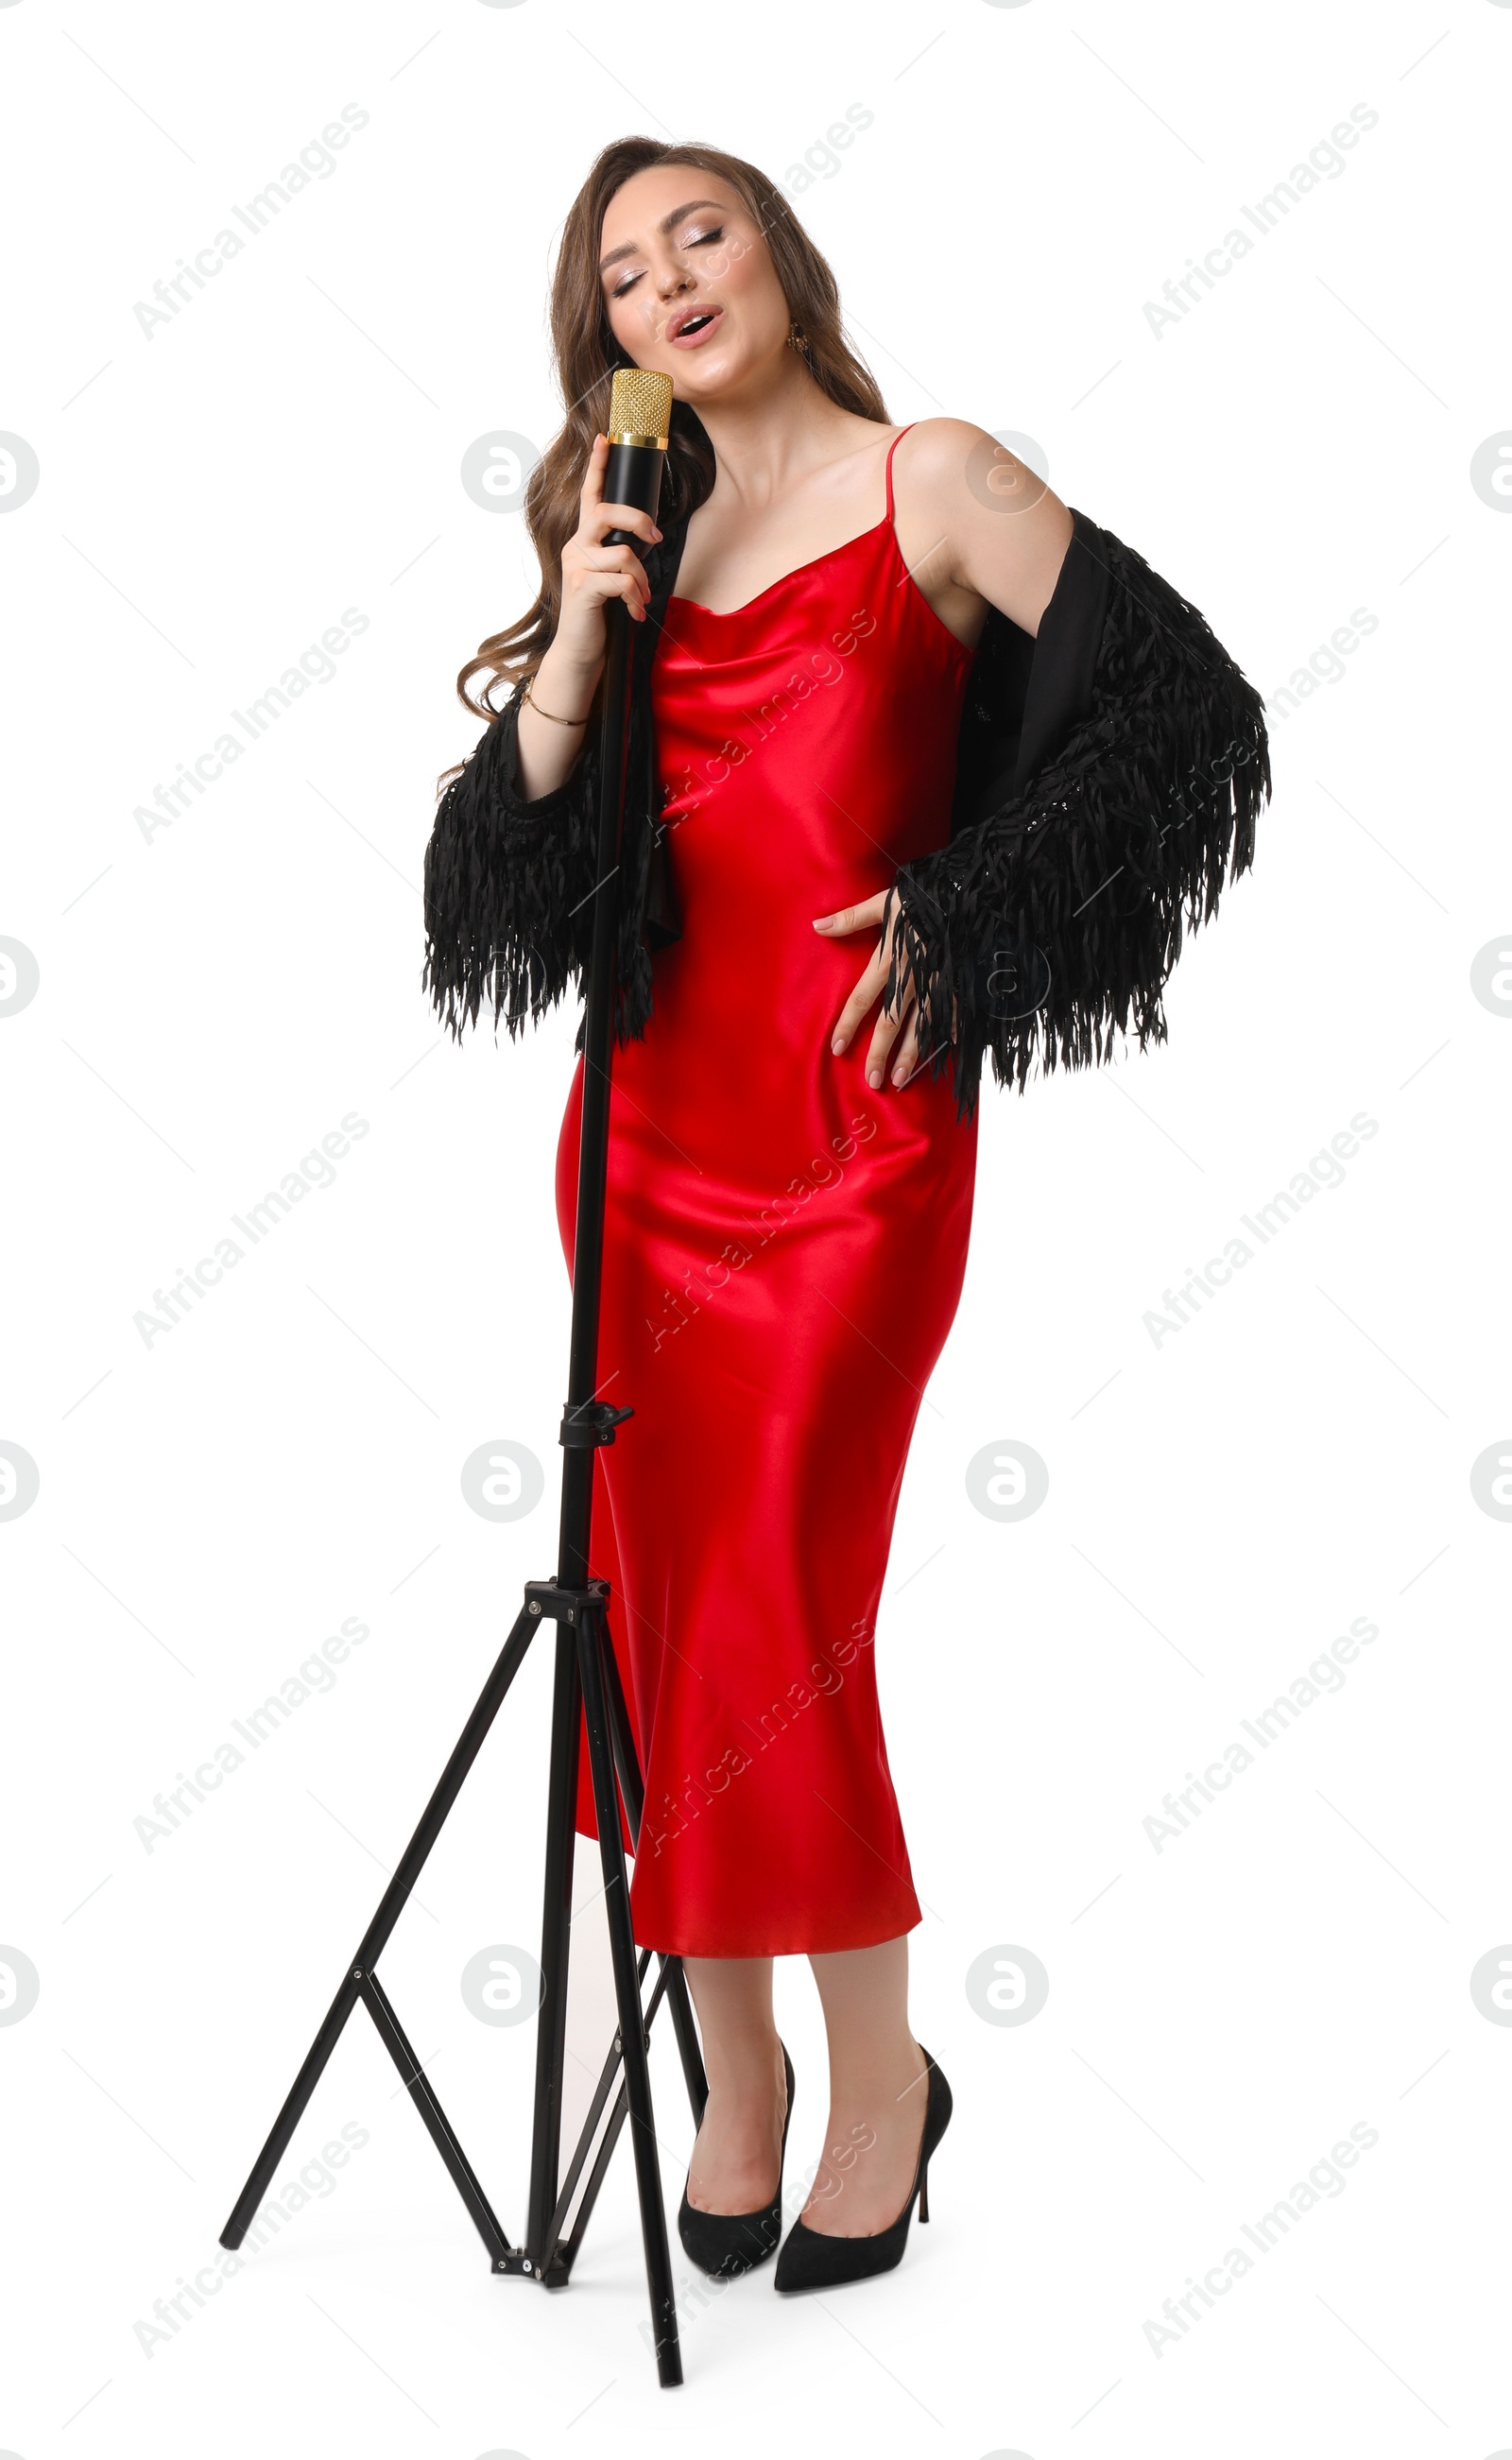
(640, 407)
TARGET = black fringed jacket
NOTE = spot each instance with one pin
(1108, 774)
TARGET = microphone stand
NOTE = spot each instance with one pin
(588, 1693)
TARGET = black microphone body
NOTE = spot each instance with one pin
(632, 475)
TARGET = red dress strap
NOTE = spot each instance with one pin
(891, 449)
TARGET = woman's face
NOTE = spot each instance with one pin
(678, 246)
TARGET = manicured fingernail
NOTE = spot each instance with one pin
(655, 532)
(873, 1078)
(898, 1075)
(821, 923)
(838, 1044)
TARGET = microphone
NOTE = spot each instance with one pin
(640, 418)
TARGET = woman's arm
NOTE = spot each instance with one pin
(983, 522)
(1047, 925)
(509, 867)
(592, 574)
(509, 880)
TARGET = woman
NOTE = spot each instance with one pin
(923, 765)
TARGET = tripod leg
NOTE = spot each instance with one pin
(411, 1864)
(443, 2135)
(556, 1927)
(593, 1647)
(628, 1765)
(689, 2049)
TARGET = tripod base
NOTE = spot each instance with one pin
(588, 1693)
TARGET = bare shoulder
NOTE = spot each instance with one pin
(948, 459)
(936, 451)
(984, 516)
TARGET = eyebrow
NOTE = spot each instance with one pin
(665, 224)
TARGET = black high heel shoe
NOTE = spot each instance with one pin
(811, 2261)
(726, 2244)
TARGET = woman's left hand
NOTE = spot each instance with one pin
(899, 1028)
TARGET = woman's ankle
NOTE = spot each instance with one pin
(741, 2074)
(877, 2071)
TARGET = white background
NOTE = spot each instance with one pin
(213, 1000)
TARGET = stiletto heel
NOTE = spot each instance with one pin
(726, 2244)
(812, 2260)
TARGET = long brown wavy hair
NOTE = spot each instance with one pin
(587, 354)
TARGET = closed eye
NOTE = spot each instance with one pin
(700, 238)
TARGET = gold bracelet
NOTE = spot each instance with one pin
(528, 695)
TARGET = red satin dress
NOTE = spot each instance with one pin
(783, 1258)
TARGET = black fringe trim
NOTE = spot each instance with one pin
(508, 890)
(1092, 866)
(509, 886)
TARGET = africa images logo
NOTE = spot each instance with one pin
(317, 161)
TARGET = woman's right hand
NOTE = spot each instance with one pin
(592, 573)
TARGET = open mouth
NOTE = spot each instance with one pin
(692, 327)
